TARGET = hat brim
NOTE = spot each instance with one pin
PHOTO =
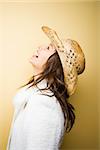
(71, 81)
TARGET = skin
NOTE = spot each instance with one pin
(40, 57)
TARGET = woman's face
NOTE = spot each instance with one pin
(40, 56)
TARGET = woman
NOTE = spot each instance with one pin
(42, 111)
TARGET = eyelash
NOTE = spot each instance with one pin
(48, 47)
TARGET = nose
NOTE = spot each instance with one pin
(39, 48)
(36, 52)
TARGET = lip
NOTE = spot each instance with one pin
(35, 56)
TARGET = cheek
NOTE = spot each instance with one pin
(42, 60)
(38, 62)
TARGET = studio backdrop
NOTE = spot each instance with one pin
(20, 34)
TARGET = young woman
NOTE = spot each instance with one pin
(42, 111)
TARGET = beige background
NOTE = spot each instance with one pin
(20, 34)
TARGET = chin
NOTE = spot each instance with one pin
(30, 60)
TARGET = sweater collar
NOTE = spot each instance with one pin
(37, 88)
(42, 84)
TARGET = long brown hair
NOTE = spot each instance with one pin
(53, 72)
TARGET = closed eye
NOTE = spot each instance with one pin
(48, 47)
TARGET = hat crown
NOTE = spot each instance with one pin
(74, 55)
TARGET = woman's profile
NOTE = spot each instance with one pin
(42, 112)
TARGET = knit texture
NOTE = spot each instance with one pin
(38, 121)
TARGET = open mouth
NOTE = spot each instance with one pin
(35, 56)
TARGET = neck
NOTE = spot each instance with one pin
(36, 74)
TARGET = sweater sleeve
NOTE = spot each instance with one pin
(42, 126)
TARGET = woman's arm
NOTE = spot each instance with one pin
(41, 124)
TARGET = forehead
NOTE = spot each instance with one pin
(46, 45)
(47, 50)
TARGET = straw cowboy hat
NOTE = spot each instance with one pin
(71, 56)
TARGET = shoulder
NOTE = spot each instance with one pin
(47, 103)
(48, 109)
(44, 100)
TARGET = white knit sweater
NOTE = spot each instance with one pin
(38, 122)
